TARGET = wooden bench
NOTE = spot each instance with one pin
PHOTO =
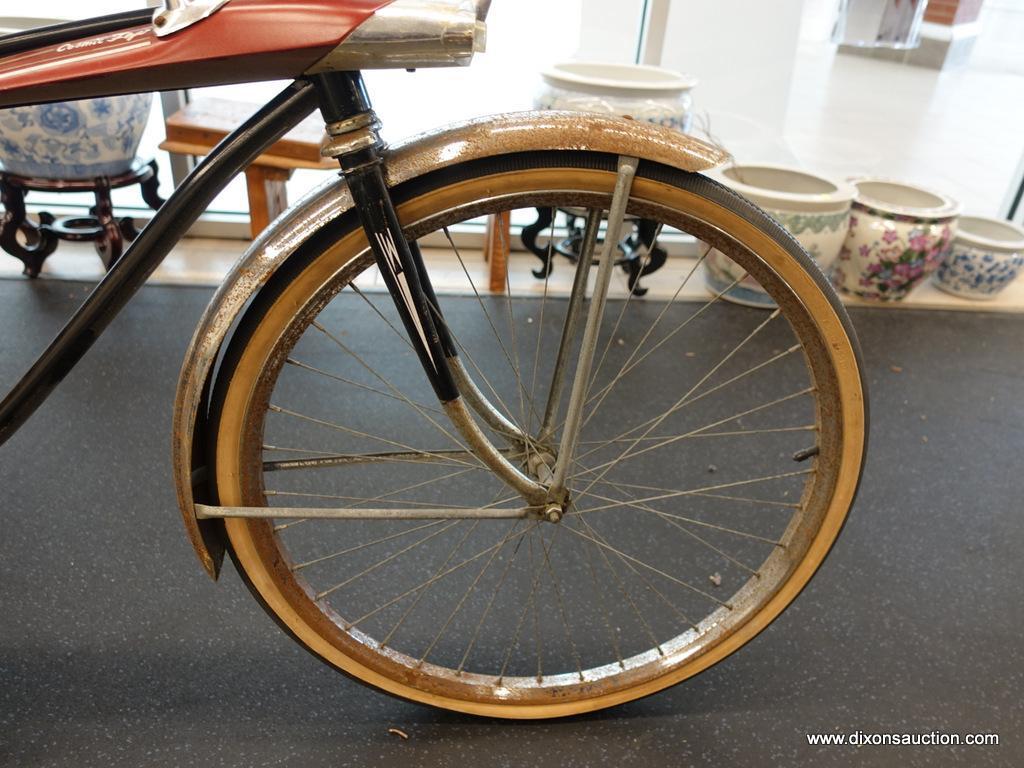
(199, 127)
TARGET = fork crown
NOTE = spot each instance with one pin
(353, 139)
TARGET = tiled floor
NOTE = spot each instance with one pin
(957, 132)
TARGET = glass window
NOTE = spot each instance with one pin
(54, 11)
(524, 37)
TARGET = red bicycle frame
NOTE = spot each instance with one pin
(322, 44)
(245, 40)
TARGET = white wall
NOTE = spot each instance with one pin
(609, 30)
(819, 19)
(744, 54)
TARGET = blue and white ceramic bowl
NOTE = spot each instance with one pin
(73, 139)
(987, 255)
(652, 94)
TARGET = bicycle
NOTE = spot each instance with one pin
(465, 501)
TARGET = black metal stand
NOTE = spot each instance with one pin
(639, 253)
(38, 241)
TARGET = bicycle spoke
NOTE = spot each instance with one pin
(647, 583)
(438, 577)
(464, 352)
(362, 500)
(627, 455)
(462, 601)
(618, 320)
(619, 582)
(641, 563)
(290, 524)
(540, 320)
(748, 500)
(395, 391)
(561, 610)
(686, 403)
(365, 387)
(735, 433)
(376, 310)
(358, 433)
(604, 608)
(490, 321)
(536, 619)
(695, 387)
(629, 364)
(671, 520)
(359, 547)
(327, 459)
(680, 494)
(390, 558)
(423, 592)
(517, 370)
(519, 626)
(490, 602)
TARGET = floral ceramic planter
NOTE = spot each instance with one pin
(899, 234)
(987, 255)
(814, 209)
(651, 94)
(74, 139)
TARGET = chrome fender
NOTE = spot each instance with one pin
(485, 137)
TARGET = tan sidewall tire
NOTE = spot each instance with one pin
(262, 563)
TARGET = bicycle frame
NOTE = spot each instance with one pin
(125, 53)
(353, 140)
(144, 255)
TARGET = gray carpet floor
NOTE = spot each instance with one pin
(115, 649)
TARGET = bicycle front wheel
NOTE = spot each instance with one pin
(720, 451)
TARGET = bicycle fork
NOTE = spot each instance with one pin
(353, 140)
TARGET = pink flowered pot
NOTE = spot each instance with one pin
(899, 234)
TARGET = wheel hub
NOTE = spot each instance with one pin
(540, 463)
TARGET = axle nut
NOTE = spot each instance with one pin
(553, 513)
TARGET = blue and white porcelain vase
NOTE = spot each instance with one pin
(987, 255)
(651, 94)
(73, 139)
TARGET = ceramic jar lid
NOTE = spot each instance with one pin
(993, 234)
(619, 77)
(902, 199)
(783, 187)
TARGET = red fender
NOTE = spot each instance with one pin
(244, 41)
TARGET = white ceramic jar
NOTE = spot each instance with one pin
(899, 234)
(987, 255)
(651, 94)
(813, 208)
(74, 139)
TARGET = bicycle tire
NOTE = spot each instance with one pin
(284, 310)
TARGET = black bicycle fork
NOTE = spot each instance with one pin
(353, 140)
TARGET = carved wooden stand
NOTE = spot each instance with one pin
(202, 124)
(639, 254)
(38, 241)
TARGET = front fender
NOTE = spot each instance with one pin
(485, 137)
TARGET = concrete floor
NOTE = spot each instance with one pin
(116, 650)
